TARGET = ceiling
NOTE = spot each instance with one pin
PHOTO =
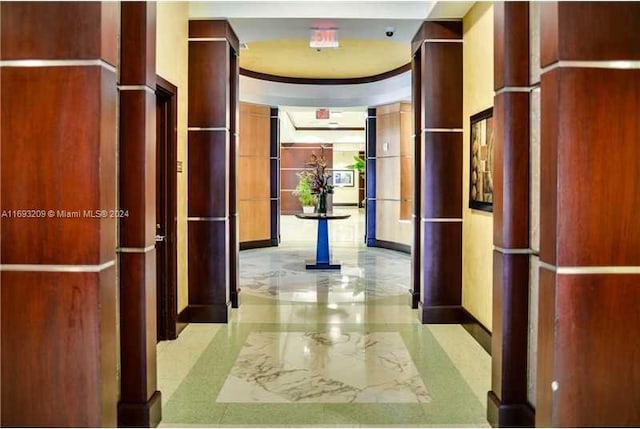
(277, 35)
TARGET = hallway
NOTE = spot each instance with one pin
(323, 348)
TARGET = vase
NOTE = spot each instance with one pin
(322, 203)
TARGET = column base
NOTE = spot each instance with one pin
(313, 265)
(210, 313)
(141, 414)
(508, 415)
(442, 314)
(414, 298)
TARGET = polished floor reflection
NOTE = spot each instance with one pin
(323, 348)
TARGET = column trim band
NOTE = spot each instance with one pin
(56, 63)
(136, 88)
(55, 268)
(440, 219)
(507, 89)
(442, 130)
(207, 39)
(516, 251)
(135, 249)
(590, 270)
(611, 64)
(207, 129)
(206, 219)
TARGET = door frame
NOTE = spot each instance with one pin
(167, 298)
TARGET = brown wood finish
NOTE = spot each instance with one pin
(416, 101)
(328, 81)
(44, 149)
(138, 49)
(61, 27)
(575, 31)
(69, 377)
(293, 159)
(208, 186)
(208, 271)
(511, 178)
(606, 233)
(442, 264)
(214, 28)
(442, 83)
(546, 344)
(209, 67)
(593, 336)
(167, 141)
(442, 171)
(436, 30)
(58, 370)
(511, 48)
(139, 403)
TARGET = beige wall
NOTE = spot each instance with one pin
(172, 65)
(393, 124)
(254, 171)
(477, 275)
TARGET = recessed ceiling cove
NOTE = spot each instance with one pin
(354, 58)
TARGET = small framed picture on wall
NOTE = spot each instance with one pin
(481, 161)
(343, 178)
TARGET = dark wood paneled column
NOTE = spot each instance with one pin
(139, 398)
(440, 45)
(370, 188)
(274, 171)
(212, 127)
(416, 245)
(507, 404)
(57, 252)
(589, 332)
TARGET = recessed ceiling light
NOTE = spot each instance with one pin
(333, 125)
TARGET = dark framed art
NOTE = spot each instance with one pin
(481, 161)
(343, 178)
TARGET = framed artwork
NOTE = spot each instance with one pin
(481, 161)
(343, 178)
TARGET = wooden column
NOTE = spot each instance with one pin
(589, 331)
(211, 217)
(507, 403)
(440, 45)
(58, 146)
(416, 102)
(274, 172)
(370, 188)
(140, 402)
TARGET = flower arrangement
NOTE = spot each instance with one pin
(320, 180)
(303, 190)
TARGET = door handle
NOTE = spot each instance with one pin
(160, 238)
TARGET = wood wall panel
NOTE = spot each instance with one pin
(406, 186)
(592, 331)
(208, 186)
(511, 190)
(210, 108)
(208, 244)
(255, 220)
(73, 383)
(254, 178)
(37, 155)
(442, 87)
(442, 183)
(61, 27)
(214, 28)
(511, 48)
(442, 242)
(575, 31)
(606, 233)
(254, 184)
(436, 30)
(295, 156)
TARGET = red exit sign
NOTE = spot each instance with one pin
(324, 38)
(322, 114)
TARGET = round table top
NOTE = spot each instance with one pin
(328, 216)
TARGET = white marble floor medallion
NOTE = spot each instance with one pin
(328, 367)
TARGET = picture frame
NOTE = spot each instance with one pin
(481, 158)
(343, 178)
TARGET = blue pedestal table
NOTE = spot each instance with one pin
(323, 260)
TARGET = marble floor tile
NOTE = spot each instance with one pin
(323, 348)
(333, 366)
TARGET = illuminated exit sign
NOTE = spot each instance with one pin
(324, 38)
